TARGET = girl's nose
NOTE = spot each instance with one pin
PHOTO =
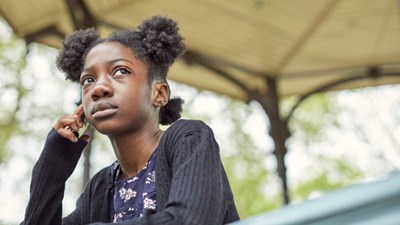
(102, 89)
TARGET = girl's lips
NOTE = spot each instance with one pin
(104, 113)
(103, 109)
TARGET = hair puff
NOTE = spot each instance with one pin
(171, 112)
(75, 46)
(161, 39)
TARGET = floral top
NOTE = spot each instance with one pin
(132, 196)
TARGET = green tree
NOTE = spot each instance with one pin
(310, 126)
(247, 166)
(315, 113)
(32, 95)
(347, 136)
(12, 88)
(333, 174)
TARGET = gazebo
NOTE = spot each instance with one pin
(255, 50)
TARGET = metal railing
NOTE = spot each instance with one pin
(371, 203)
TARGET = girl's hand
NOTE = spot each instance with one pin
(69, 125)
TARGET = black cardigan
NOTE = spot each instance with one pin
(191, 184)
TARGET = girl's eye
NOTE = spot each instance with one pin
(87, 80)
(121, 71)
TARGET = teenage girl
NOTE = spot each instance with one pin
(160, 177)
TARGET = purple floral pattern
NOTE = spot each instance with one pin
(132, 196)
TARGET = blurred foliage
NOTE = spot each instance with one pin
(312, 115)
(12, 88)
(246, 166)
(334, 174)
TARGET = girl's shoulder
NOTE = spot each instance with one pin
(193, 131)
(184, 127)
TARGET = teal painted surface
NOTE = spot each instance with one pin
(373, 203)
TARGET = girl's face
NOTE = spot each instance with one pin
(116, 95)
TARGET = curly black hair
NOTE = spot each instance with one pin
(156, 42)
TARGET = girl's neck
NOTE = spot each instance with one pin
(133, 150)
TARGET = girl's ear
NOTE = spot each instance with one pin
(160, 94)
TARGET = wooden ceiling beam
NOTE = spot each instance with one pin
(48, 31)
(80, 14)
(195, 58)
(371, 73)
(191, 55)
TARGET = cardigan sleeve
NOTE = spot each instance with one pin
(54, 166)
(197, 194)
(197, 187)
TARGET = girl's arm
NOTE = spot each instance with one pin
(56, 163)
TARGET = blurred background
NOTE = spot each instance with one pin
(303, 96)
